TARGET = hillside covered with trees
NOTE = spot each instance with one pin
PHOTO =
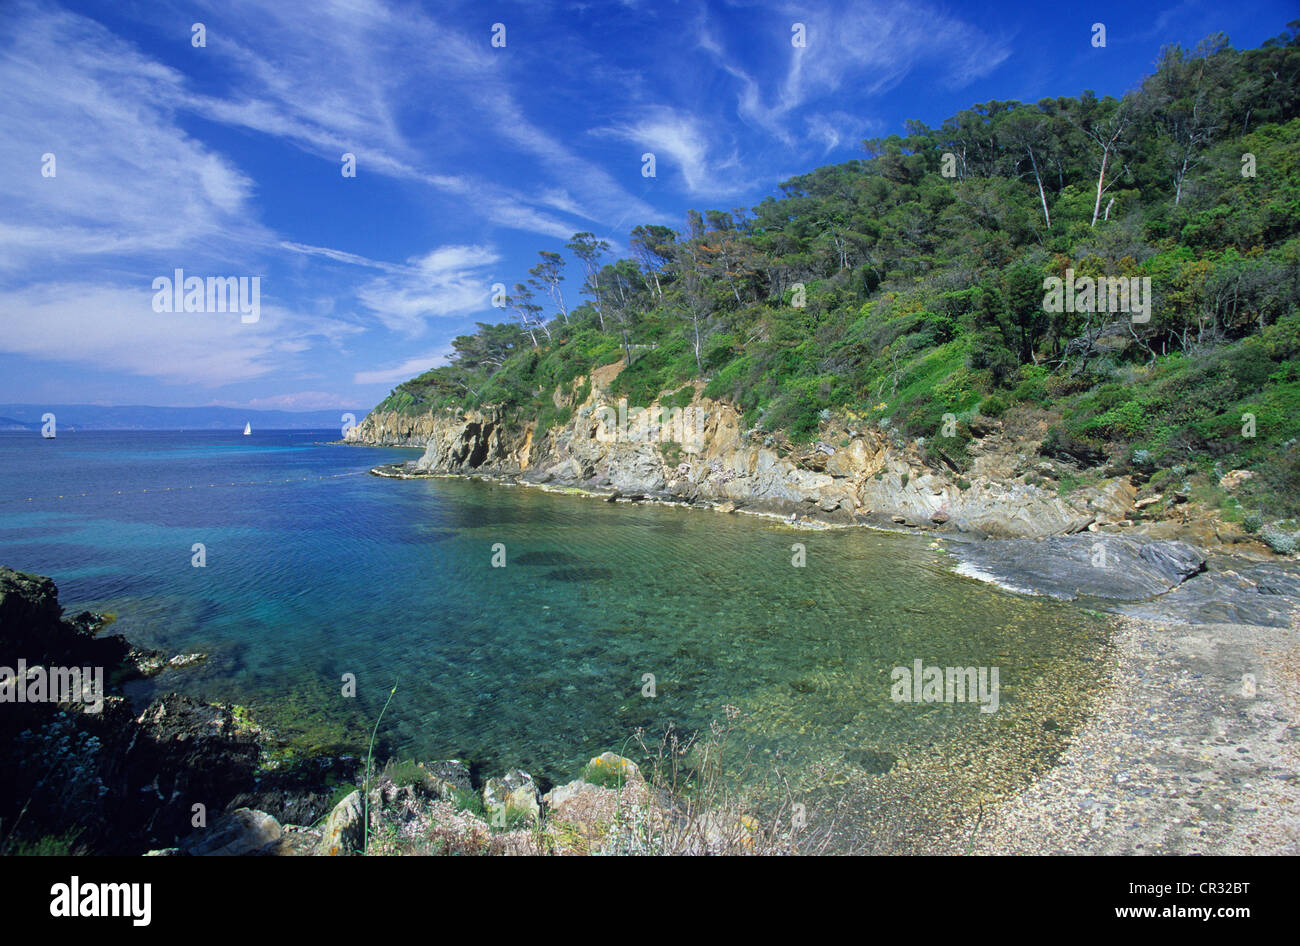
(910, 284)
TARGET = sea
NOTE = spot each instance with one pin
(514, 627)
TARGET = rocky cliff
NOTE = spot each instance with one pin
(701, 453)
(391, 429)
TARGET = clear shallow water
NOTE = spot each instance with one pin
(538, 664)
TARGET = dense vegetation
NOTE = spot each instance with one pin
(908, 285)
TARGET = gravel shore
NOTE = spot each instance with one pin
(1194, 749)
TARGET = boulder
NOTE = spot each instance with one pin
(507, 798)
(242, 832)
(344, 831)
(610, 768)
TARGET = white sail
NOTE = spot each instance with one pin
(248, 429)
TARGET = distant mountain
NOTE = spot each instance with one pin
(9, 423)
(99, 417)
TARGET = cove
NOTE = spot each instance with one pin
(541, 664)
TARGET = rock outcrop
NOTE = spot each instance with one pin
(125, 782)
(701, 454)
(344, 828)
(391, 429)
(1094, 565)
(511, 798)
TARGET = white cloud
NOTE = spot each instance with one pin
(115, 328)
(128, 180)
(395, 374)
(868, 45)
(342, 79)
(683, 139)
(447, 281)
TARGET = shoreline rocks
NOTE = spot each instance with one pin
(1093, 565)
(118, 781)
(855, 474)
(868, 475)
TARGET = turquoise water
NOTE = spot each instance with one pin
(315, 570)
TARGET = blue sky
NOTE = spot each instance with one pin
(226, 160)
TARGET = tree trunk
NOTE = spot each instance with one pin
(1096, 207)
(1041, 194)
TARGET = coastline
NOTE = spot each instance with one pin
(1164, 683)
(1192, 747)
(1162, 579)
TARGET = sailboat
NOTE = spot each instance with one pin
(248, 429)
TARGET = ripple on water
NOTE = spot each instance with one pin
(547, 661)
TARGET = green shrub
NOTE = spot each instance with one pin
(1283, 543)
(682, 399)
(606, 776)
(551, 416)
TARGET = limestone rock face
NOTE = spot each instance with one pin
(390, 429)
(701, 454)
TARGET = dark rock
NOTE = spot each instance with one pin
(873, 761)
(32, 628)
(1263, 594)
(451, 773)
(126, 783)
(1273, 579)
(1095, 565)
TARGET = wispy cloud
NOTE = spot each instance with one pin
(115, 327)
(689, 146)
(361, 78)
(395, 374)
(127, 179)
(451, 280)
(869, 46)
